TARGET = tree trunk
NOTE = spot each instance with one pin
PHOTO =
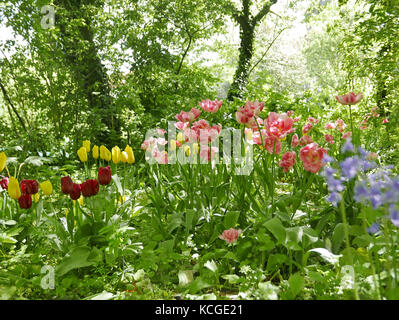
(82, 56)
(247, 33)
(247, 25)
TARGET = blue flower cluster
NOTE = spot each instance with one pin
(378, 188)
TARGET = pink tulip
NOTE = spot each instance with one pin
(272, 144)
(246, 114)
(328, 138)
(297, 119)
(305, 140)
(230, 235)
(279, 125)
(190, 116)
(287, 160)
(372, 156)
(350, 98)
(294, 141)
(330, 126)
(346, 135)
(340, 125)
(307, 127)
(385, 121)
(210, 106)
(208, 153)
(313, 120)
(312, 156)
(290, 113)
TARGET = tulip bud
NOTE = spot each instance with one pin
(46, 187)
(196, 148)
(81, 201)
(25, 201)
(95, 152)
(180, 137)
(86, 145)
(130, 154)
(82, 153)
(3, 160)
(124, 156)
(13, 188)
(89, 188)
(104, 175)
(172, 145)
(75, 193)
(29, 186)
(36, 197)
(4, 183)
(116, 155)
(187, 150)
(66, 185)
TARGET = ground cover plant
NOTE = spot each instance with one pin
(154, 184)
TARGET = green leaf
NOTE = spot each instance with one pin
(78, 257)
(118, 184)
(230, 219)
(297, 283)
(276, 228)
(338, 237)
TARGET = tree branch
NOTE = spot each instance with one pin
(6, 97)
(266, 51)
(265, 10)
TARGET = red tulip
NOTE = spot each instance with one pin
(75, 194)
(25, 201)
(89, 188)
(4, 183)
(350, 98)
(66, 185)
(29, 186)
(104, 175)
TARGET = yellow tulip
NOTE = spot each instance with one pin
(196, 148)
(124, 156)
(249, 135)
(95, 152)
(81, 201)
(173, 145)
(82, 153)
(3, 160)
(13, 188)
(187, 150)
(36, 197)
(130, 154)
(86, 144)
(46, 187)
(105, 154)
(116, 155)
(180, 137)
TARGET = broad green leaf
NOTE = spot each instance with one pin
(230, 219)
(276, 228)
(296, 282)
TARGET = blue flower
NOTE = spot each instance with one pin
(374, 228)
(334, 198)
(349, 167)
(376, 197)
(334, 184)
(348, 146)
(327, 158)
(394, 215)
(361, 192)
(368, 165)
(362, 152)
